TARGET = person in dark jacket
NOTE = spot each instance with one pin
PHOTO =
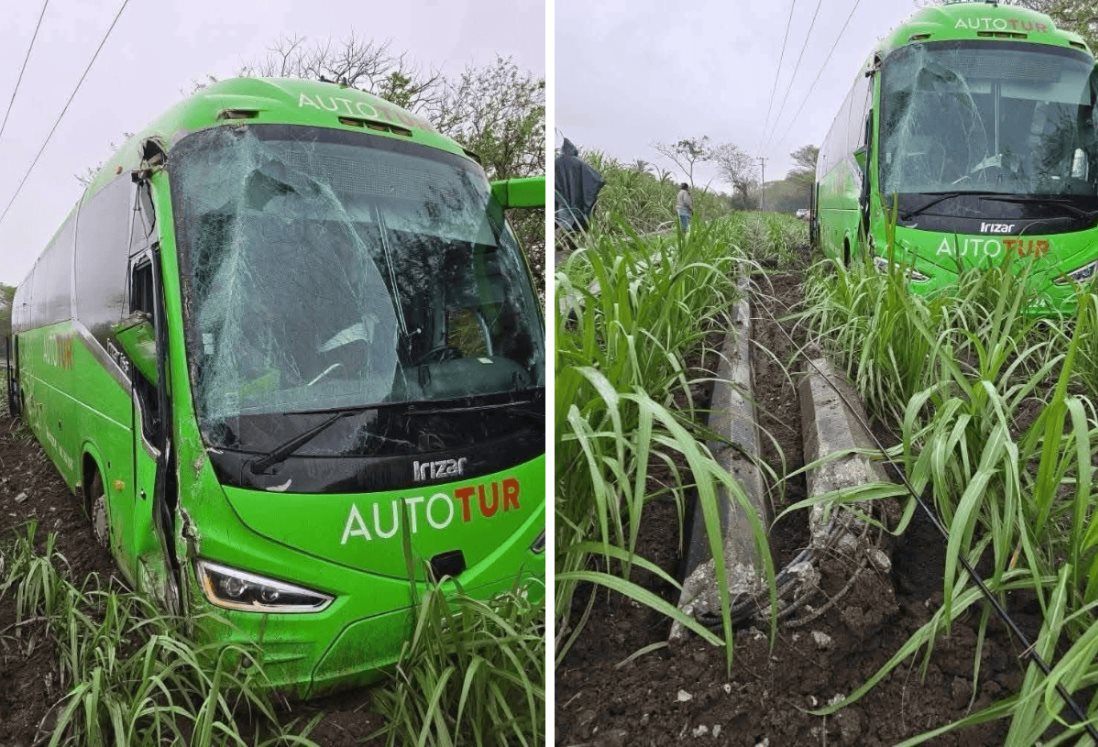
(577, 187)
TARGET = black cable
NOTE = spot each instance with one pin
(818, 74)
(778, 72)
(1029, 650)
(22, 69)
(796, 67)
(62, 114)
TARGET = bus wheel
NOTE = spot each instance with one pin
(97, 510)
(846, 252)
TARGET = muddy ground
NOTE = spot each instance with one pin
(686, 693)
(32, 490)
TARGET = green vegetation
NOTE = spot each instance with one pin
(7, 294)
(472, 674)
(995, 411)
(133, 675)
(624, 404)
(643, 197)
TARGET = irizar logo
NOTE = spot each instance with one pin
(442, 468)
(996, 227)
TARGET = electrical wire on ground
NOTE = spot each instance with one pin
(1029, 650)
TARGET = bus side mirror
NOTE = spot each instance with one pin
(138, 340)
(528, 192)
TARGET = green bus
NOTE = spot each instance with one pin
(288, 351)
(974, 128)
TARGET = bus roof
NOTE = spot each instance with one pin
(978, 20)
(275, 101)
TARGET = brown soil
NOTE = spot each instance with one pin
(687, 692)
(32, 490)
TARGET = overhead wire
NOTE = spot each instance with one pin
(804, 100)
(796, 68)
(778, 72)
(26, 57)
(61, 116)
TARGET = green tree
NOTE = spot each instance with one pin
(804, 169)
(7, 296)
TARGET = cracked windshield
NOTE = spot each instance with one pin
(333, 270)
(988, 117)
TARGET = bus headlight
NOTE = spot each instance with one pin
(539, 544)
(1082, 275)
(239, 590)
(910, 273)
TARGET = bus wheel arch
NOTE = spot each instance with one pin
(95, 497)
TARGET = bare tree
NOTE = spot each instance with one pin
(498, 112)
(686, 154)
(737, 168)
(363, 64)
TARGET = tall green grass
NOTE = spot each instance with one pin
(994, 410)
(472, 673)
(624, 404)
(131, 674)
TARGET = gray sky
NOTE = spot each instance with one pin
(160, 47)
(633, 72)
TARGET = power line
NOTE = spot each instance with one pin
(778, 72)
(62, 114)
(785, 98)
(22, 69)
(818, 74)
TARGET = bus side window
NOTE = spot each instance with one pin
(141, 300)
(141, 289)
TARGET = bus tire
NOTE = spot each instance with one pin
(95, 503)
(846, 252)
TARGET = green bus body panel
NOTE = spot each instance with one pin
(79, 408)
(977, 20)
(364, 531)
(942, 256)
(276, 101)
(525, 192)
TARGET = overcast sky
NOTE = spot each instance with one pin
(633, 72)
(160, 47)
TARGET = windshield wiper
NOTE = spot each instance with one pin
(484, 406)
(1000, 197)
(1058, 201)
(942, 197)
(285, 449)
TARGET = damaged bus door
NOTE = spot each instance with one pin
(143, 338)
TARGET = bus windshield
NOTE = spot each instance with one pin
(999, 117)
(326, 269)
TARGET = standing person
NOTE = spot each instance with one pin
(684, 206)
